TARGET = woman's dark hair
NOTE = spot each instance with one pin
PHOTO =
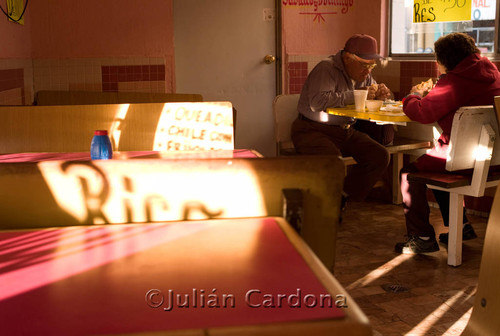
(451, 49)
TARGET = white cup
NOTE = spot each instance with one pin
(360, 99)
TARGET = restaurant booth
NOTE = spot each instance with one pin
(205, 221)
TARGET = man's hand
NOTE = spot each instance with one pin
(383, 92)
(372, 91)
(378, 91)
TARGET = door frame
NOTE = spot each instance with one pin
(279, 47)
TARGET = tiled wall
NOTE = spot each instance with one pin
(297, 74)
(134, 78)
(297, 69)
(413, 73)
(21, 79)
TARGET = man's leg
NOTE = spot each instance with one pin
(311, 138)
(383, 134)
(372, 161)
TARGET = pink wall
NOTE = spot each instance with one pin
(323, 29)
(15, 39)
(90, 45)
(15, 60)
(311, 32)
(101, 28)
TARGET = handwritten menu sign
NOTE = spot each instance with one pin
(195, 126)
(319, 9)
(441, 10)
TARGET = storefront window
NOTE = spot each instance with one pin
(408, 37)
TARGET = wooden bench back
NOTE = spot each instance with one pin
(484, 319)
(64, 193)
(465, 135)
(132, 127)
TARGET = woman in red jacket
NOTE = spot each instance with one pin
(467, 79)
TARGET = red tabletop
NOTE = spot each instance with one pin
(85, 156)
(119, 278)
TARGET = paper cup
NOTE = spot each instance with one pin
(360, 99)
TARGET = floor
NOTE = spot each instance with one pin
(405, 294)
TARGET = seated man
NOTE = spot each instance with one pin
(331, 84)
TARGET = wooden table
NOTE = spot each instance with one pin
(398, 118)
(251, 276)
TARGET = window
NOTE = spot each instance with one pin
(408, 37)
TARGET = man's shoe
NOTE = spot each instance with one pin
(343, 203)
(416, 245)
(468, 233)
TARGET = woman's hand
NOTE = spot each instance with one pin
(417, 90)
(423, 88)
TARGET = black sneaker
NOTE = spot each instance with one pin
(416, 245)
(343, 203)
(468, 233)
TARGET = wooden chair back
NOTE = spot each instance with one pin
(285, 112)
